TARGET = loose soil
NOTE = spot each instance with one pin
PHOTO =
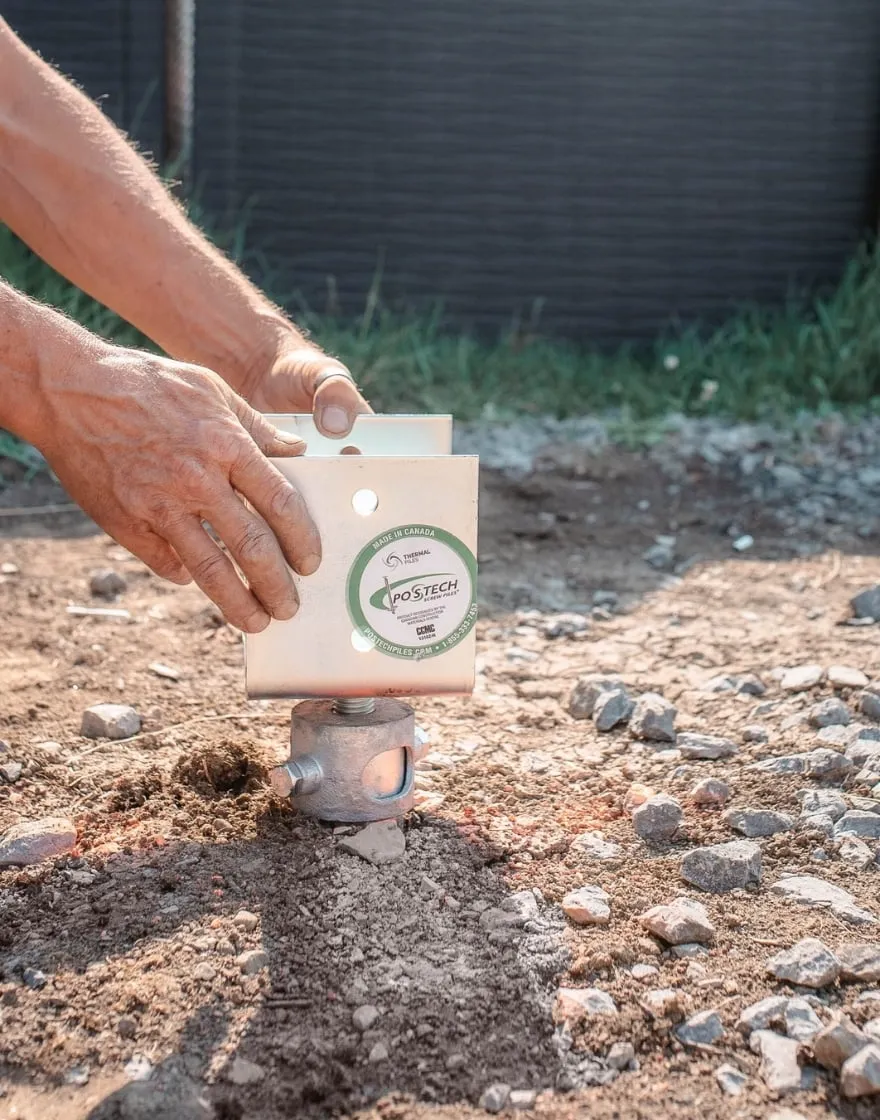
(178, 830)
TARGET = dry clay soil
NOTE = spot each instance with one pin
(178, 832)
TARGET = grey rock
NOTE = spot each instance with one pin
(801, 1021)
(802, 678)
(660, 555)
(860, 1074)
(495, 1098)
(107, 584)
(522, 1099)
(565, 625)
(755, 733)
(836, 736)
(872, 1029)
(710, 791)
(586, 692)
(364, 1017)
(596, 846)
(379, 843)
(860, 962)
(779, 1061)
(763, 1014)
(689, 950)
(621, 1055)
(663, 1003)
(837, 1042)
(11, 771)
(723, 867)
(830, 713)
(246, 920)
(110, 721)
(815, 893)
(242, 1072)
(809, 964)
(252, 961)
(827, 801)
(856, 822)
(574, 1003)
(866, 804)
(730, 1080)
(612, 708)
(682, 922)
(751, 685)
(701, 1029)
(34, 978)
(587, 906)
(758, 822)
(855, 852)
(819, 763)
(867, 603)
(844, 676)
(653, 719)
(658, 819)
(719, 684)
(643, 971)
(35, 841)
(817, 822)
(869, 703)
(705, 746)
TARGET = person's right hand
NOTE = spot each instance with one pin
(150, 448)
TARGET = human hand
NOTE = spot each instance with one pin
(296, 377)
(151, 447)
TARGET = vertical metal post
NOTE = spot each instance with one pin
(180, 28)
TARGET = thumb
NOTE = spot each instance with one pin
(328, 388)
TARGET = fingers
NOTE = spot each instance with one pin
(256, 551)
(216, 576)
(283, 508)
(336, 403)
(266, 436)
(157, 554)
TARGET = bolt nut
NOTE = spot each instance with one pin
(282, 780)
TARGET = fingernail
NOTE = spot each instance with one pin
(335, 420)
(288, 610)
(310, 564)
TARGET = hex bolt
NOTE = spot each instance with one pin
(298, 776)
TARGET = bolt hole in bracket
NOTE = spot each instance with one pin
(390, 613)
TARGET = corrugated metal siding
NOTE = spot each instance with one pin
(114, 49)
(625, 163)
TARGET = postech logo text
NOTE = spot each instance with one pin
(415, 589)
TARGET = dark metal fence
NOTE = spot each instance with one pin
(618, 164)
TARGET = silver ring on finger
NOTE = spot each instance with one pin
(331, 371)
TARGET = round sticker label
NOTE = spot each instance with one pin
(412, 592)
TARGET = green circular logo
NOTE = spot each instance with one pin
(412, 592)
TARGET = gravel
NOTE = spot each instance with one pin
(809, 964)
(35, 841)
(702, 1029)
(779, 1060)
(802, 678)
(763, 1014)
(856, 822)
(807, 890)
(587, 906)
(855, 852)
(710, 791)
(837, 1042)
(252, 961)
(653, 719)
(110, 721)
(867, 603)
(495, 1098)
(709, 747)
(594, 845)
(575, 1003)
(658, 819)
(586, 692)
(731, 1080)
(612, 707)
(682, 922)
(801, 1021)
(364, 1017)
(860, 962)
(826, 801)
(758, 822)
(105, 583)
(843, 676)
(723, 867)
(379, 843)
(860, 1075)
(829, 713)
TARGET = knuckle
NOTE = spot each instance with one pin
(254, 545)
(284, 502)
(191, 474)
(210, 570)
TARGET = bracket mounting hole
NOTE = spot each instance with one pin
(350, 449)
(365, 502)
(360, 643)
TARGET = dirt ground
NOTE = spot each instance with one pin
(137, 932)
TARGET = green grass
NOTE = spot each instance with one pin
(819, 355)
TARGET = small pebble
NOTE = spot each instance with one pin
(842, 676)
(243, 1072)
(658, 819)
(365, 1017)
(495, 1098)
(702, 1029)
(110, 721)
(802, 678)
(106, 584)
(710, 791)
(379, 843)
(731, 1080)
(252, 961)
(829, 713)
(379, 1053)
(587, 906)
(35, 841)
(755, 733)
(621, 1055)
(653, 718)
(809, 964)
(245, 920)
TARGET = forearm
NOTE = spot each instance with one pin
(74, 190)
(38, 347)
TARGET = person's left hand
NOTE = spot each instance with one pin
(301, 378)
